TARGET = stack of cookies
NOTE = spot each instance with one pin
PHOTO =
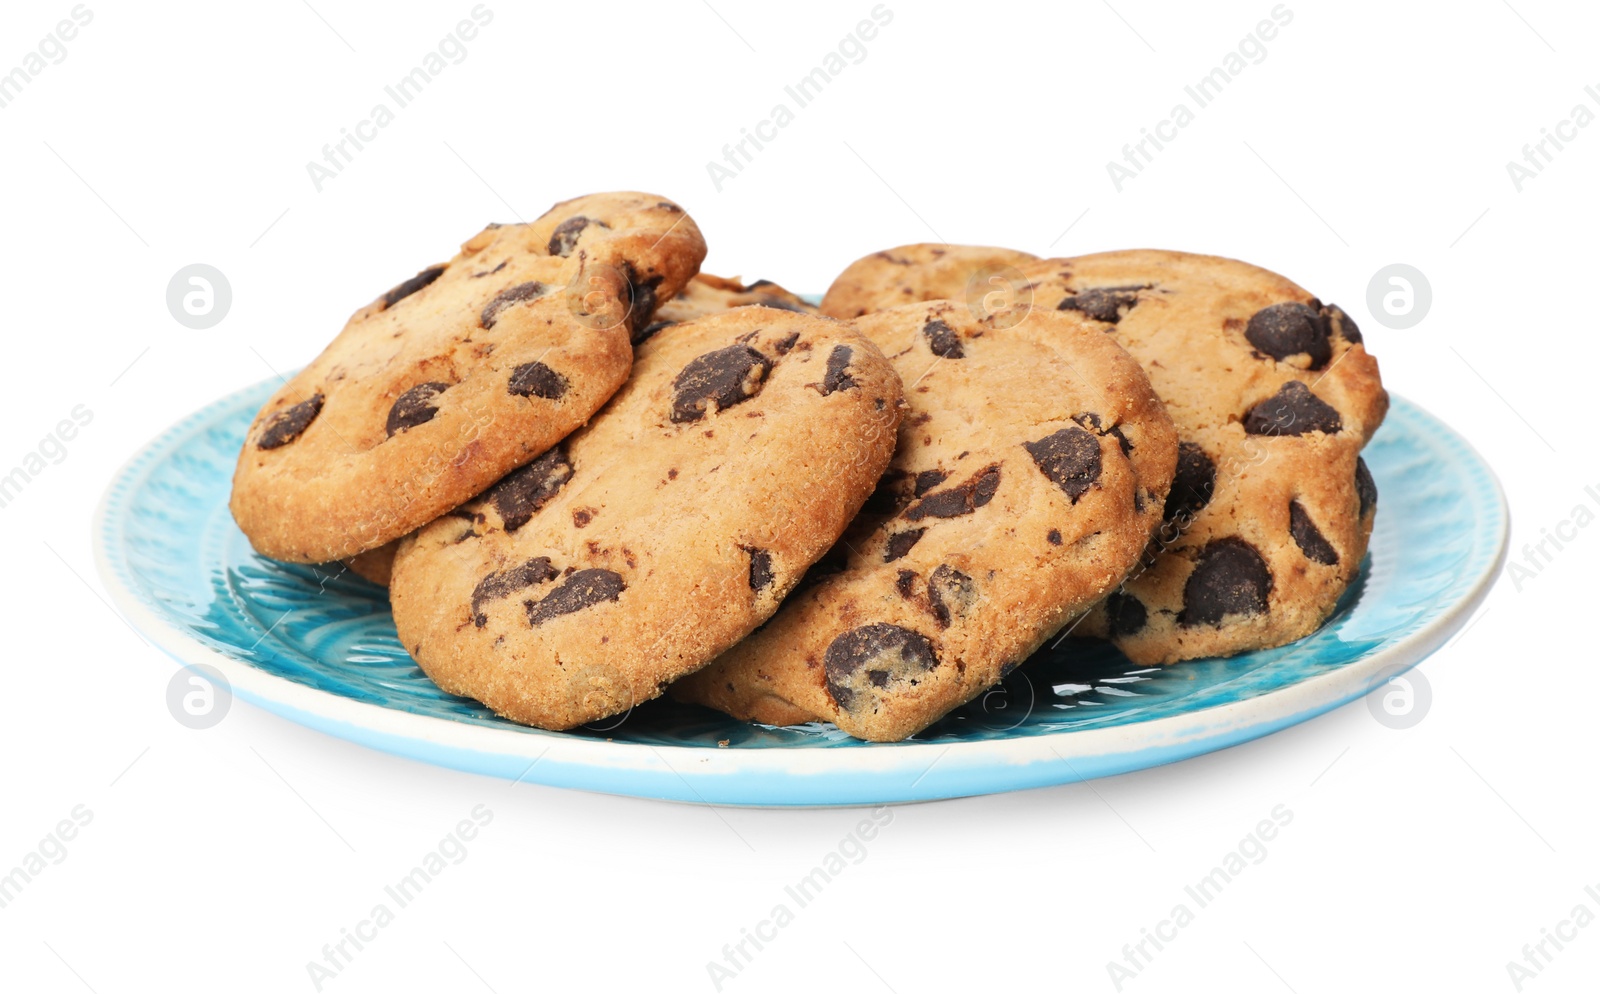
(590, 474)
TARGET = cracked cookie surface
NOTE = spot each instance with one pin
(458, 375)
(1031, 468)
(663, 532)
(1274, 395)
(925, 271)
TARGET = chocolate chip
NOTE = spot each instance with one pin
(1092, 422)
(942, 339)
(950, 592)
(1366, 487)
(1054, 536)
(1115, 431)
(928, 479)
(565, 238)
(838, 375)
(760, 568)
(1193, 485)
(411, 286)
(1346, 327)
(641, 304)
(286, 426)
(1070, 458)
(1229, 577)
(725, 377)
(874, 656)
(535, 379)
(507, 582)
(518, 294)
(904, 581)
(651, 330)
(1284, 330)
(1293, 410)
(1106, 303)
(958, 500)
(585, 588)
(1125, 614)
(523, 491)
(581, 517)
(900, 543)
(414, 407)
(784, 345)
(1308, 538)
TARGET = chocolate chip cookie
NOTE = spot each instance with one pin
(458, 375)
(662, 533)
(707, 295)
(928, 271)
(1274, 395)
(1032, 467)
(704, 296)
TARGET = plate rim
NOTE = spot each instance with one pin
(664, 771)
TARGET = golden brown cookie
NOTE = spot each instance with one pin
(704, 296)
(926, 271)
(374, 565)
(458, 375)
(662, 533)
(1030, 472)
(707, 295)
(1274, 395)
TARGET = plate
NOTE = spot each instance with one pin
(318, 647)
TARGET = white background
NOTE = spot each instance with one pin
(1372, 133)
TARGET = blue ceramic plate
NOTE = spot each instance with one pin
(320, 649)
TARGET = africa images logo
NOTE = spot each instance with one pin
(452, 850)
(1552, 141)
(851, 851)
(1205, 91)
(737, 155)
(1252, 850)
(337, 155)
(52, 47)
